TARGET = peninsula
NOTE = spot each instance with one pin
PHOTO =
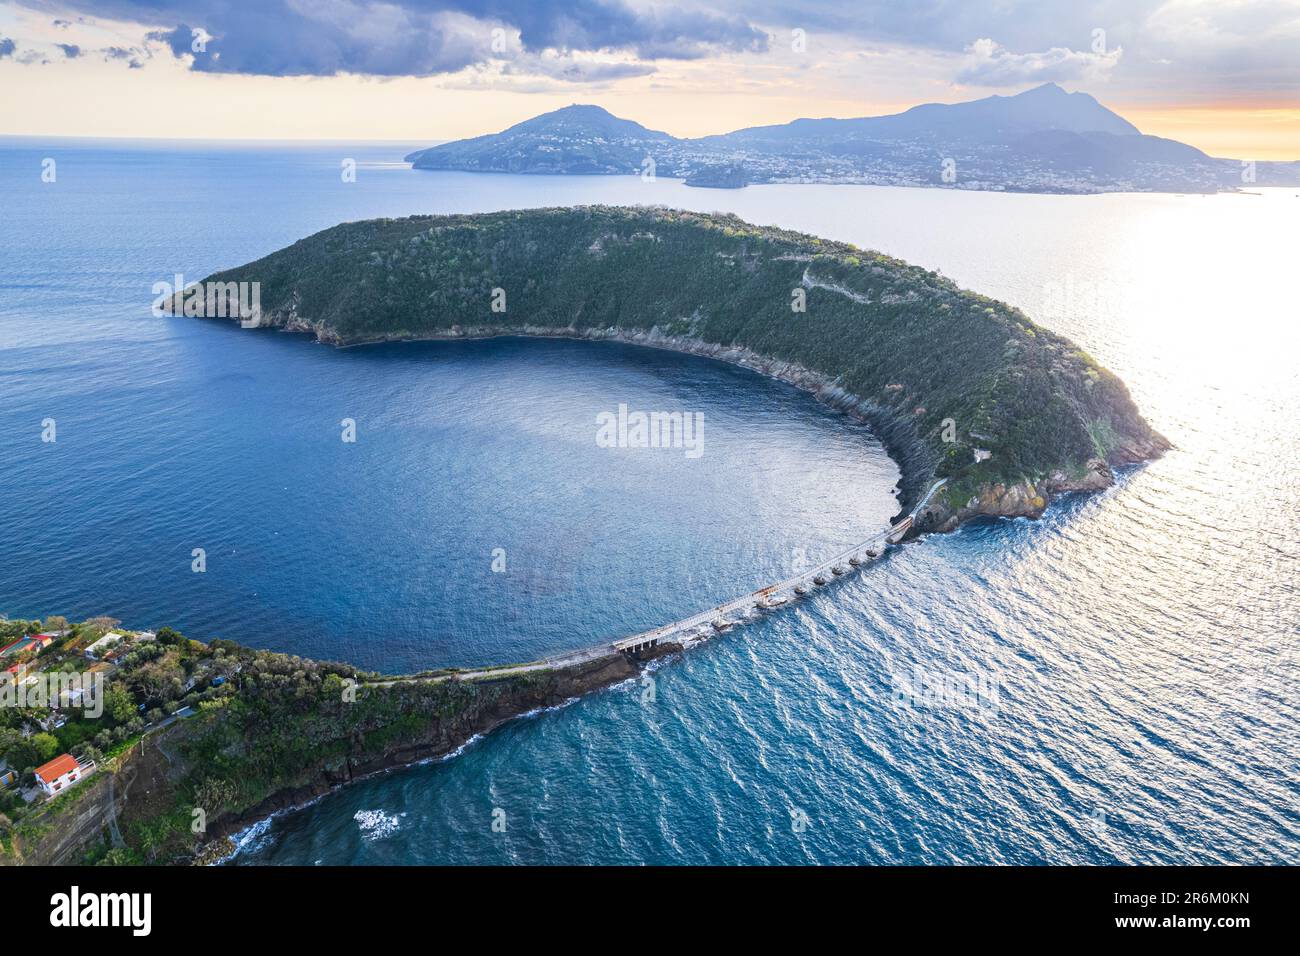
(167, 746)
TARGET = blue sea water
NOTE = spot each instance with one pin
(1135, 648)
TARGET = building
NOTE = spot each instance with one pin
(60, 773)
(26, 643)
(30, 642)
(101, 646)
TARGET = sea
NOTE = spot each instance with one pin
(1113, 683)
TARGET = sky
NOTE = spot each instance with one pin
(1223, 75)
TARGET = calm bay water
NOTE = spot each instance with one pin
(1141, 641)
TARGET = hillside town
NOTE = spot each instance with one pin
(75, 696)
(1041, 141)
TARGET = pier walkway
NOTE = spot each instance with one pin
(706, 624)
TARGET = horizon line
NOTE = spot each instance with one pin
(425, 143)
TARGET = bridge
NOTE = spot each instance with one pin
(715, 620)
(723, 617)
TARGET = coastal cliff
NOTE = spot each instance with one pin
(956, 385)
(279, 732)
(430, 719)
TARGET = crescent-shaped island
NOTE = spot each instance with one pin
(957, 386)
(986, 413)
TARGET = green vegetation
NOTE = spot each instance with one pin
(154, 679)
(246, 727)
(913, 348)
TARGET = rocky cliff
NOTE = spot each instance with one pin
(293, 731)
(958, 386)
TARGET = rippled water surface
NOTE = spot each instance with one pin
(1136, 647)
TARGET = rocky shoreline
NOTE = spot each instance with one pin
(955, 385)
(443, 738)
(897, 433)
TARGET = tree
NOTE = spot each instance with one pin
(118, 704)
(46, 747)
(9, 737)
(213, 794)
(9, 630)
(101, 625)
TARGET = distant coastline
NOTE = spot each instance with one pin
(1043, 140)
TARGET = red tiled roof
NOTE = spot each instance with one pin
(56, 768)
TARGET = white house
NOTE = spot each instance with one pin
(60, 773)
(103, 645)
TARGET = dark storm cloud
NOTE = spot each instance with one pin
(415, 37)
(1206, 46)
(666, 32)
(179, 39)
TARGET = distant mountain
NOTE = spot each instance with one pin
(1041, 140)
(576, 140)
(991, 119)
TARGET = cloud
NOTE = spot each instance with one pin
(990, 64)
(658, 33)
(421, 37)
(182, 40)
(547, 73)
(6, 47)
(70, 50)
(133, 57)
(1173, 49)
(574, 71)
(1190, 50)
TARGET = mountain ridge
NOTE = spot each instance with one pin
(1044, 139)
